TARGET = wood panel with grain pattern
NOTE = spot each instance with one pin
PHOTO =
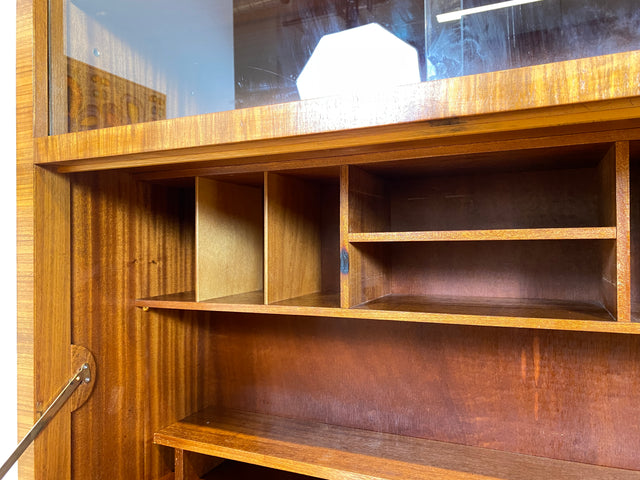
(550, 394)
(336, 453)
(293, 246)
(437, 109)
(229, 239)
(42, 257)
(133, 239)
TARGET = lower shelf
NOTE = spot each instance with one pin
(334, 452)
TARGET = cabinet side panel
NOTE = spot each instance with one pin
(229, 239)
(132, 240)
(42, 361)
(52, 319)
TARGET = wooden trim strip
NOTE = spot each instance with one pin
(438, 108)
(187, 301)
(596, 233)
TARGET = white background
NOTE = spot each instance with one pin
(8, 335)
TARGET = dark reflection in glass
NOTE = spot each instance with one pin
(274, 39)
(530, 34)
(132, 61)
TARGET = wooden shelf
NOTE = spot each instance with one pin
(508, 308)
(334, 452)
(588, 233)
(490, 312)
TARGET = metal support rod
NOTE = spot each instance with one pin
(82, 376)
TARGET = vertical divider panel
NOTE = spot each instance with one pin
(623, 229)
(607, 214)
(614, 210)
(293, 246)
(229, 239)
(367, 210)
(345, 247)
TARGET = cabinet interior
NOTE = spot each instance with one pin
(251, 309)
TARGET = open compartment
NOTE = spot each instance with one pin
(302, 238)
(551, 188)
(531, 279)
(229, 240)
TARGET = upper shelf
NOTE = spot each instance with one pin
(601, 89)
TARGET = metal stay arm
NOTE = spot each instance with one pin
(83, 375)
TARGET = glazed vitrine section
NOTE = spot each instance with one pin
(124, 62)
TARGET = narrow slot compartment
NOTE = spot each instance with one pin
(229, 241)
(302, 239)
(530, 279)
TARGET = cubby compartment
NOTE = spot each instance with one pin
(538, 234)
(229, 240)
(571, 188)
(302, 239)
(568, 279)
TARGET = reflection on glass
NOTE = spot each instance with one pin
(132, 61)
(534, 33)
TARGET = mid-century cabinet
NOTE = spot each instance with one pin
(436, 281)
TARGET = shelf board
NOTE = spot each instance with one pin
(498, 307)
(588, 233)
(315, 300)
(334, 452)
(474, 311)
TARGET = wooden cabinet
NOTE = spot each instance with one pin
(415, 285)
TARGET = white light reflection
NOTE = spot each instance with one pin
(362, 58)
(458, 14)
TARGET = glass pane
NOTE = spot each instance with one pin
(128, 61)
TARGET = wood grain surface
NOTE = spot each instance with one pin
(596, 233)
(338, 453)
(229, 239)
(285, 127)
(132, 239)
(532, 392)
(623, 228)
(43, 242)
(293, 246)
(476, 311)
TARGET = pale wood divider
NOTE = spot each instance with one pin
(229, 239)
(292, 246)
